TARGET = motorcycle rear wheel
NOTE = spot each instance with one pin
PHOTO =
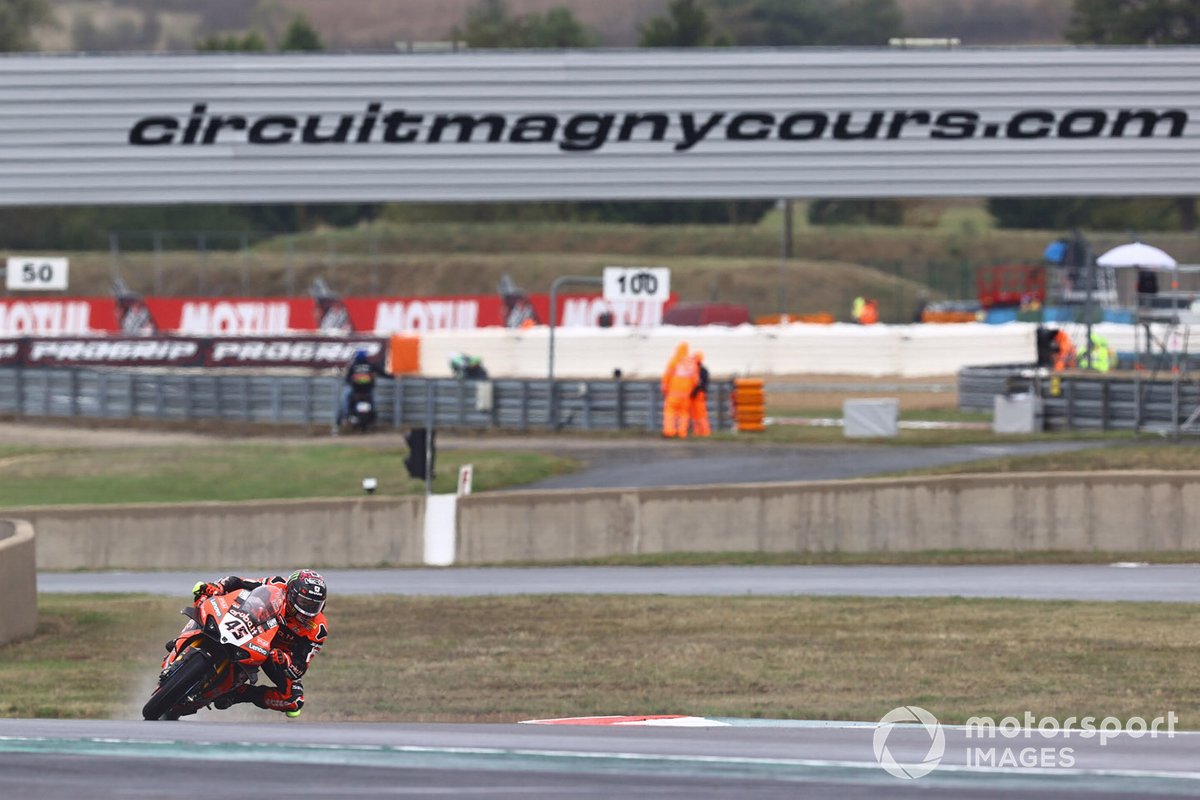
(177, 685)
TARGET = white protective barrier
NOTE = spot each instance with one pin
(839, 349)
(870, 417)
(441, 516)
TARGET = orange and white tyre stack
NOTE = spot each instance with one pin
(749, 404)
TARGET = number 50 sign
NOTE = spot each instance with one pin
(637, 283)
(33, 273)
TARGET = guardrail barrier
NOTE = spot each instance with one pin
(309, 399)
(1134, 401)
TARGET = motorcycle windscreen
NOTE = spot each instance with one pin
(254, 615)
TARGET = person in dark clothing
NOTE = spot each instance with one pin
(922, 304)
(1147, 286)
(359, 376)
(699, 400)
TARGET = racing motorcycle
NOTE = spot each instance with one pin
(225, 641)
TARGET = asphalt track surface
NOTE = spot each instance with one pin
(1165, 583)
(118, 760)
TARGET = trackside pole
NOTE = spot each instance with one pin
(428, 439)
(555, 285)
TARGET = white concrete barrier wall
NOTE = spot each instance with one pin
(873, 350)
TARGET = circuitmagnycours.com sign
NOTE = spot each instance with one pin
(518, 126)
(205, 124)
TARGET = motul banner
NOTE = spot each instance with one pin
(72, 316)
(278, 316)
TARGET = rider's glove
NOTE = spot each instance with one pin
(284, 660)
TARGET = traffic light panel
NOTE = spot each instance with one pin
(415, 463)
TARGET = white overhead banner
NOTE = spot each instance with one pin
(586, 125)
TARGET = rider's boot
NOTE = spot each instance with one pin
(242, 694)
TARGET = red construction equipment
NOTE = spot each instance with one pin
(1011, 285)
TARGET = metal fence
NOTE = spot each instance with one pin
(1151, 403)
(1137, 404)
(308, 400)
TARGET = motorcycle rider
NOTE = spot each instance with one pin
(467, 367)
(359, 376)
(302, 633)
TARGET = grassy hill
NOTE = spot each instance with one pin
(738, 264)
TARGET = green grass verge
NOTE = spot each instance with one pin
(34, 476)
(41, 476)
(513, 658)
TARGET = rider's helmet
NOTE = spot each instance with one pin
(360, 356)
(306, 594)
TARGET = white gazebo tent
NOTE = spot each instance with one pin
(1172, 342)
(1137, 254)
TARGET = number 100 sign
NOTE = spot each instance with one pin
(33, 273)
(637, 283)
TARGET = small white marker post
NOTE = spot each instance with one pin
(465, 474)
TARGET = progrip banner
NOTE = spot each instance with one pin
(278, 316)
(188, 351)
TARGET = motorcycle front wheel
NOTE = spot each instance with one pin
(178, 685)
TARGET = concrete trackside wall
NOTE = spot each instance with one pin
(1055, 511)
(1058, 511)
(225, 536)
(18, 580)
